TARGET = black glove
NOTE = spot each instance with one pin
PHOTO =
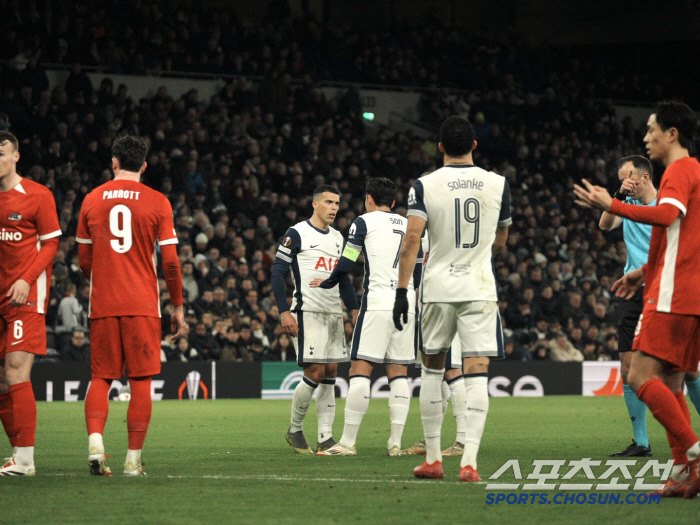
(400, 307)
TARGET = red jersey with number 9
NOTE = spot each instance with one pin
(123, 220)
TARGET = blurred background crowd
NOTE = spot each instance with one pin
(240, 167)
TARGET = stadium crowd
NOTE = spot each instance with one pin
(240, 168)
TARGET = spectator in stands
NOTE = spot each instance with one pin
(204, 343)
(283, 348)
(561, 349)
(234, 349)
(256, 328)
(513, 351)
(540, 351)
(183, 352)
(189, 282)
(77, 349)
(259, 352)
(70, 311)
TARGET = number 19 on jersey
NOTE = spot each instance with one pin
(470, 212)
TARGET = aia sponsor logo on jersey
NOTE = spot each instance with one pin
(326, 263)
(10, 236)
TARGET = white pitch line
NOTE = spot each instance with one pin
(273, 477)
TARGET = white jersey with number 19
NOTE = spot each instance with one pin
(464, 205)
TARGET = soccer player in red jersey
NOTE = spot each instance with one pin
(667, 339)
(29, 234)
(119, 226)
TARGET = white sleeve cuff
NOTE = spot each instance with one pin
(678, 204)
(50, 235)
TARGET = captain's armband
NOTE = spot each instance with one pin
(351, 253)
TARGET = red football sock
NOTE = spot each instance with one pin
(8, 421)
(24, 413)
(139, 414)
(679, 457)
(666, 409)
(97, 405)
(684, 406)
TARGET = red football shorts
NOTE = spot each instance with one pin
(672, 337)
(22, 331)
(119, 343)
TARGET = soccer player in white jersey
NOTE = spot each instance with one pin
(453, 387)
(377, 234)
(467, 212)
(315, 320)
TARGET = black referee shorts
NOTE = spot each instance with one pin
(629, 316)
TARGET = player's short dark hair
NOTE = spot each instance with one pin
(674, 114)
(457, 136)
(382, 190)
(641, 164)
(323, 188)
(130, 152)
(6, 136)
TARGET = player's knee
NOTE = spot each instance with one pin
(315, 373)
(330, 370)
(14, 376)
(625, 372)
(634, 379)
(476, 368)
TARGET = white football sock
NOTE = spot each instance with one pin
(133, 458)
(477, 410)
(355, 409)
(95, 444)
(325, 409)
(445, 390)
(24, 456)
(693, 452)
(431, 411)
(300, 402)
(459, 406)
(399, 401)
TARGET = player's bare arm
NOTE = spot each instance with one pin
(409, 248)
(592, 197)
(627, 285)
(18, 292)
(289, 324)
(500, 241)
(177, 323)
(407, 263)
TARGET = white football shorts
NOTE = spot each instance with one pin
(477, 323)
(377, 340)
(321, 338)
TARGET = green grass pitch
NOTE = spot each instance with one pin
(226, 461)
